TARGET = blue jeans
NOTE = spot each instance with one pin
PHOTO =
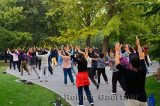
(60, 60)
(72, 68)
(88, 93)
(67, 71)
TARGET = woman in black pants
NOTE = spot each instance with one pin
(89, 69)
(101, 67)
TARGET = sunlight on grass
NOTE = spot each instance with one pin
(18, 94)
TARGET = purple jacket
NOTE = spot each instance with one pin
(124, 61)
(23, 57)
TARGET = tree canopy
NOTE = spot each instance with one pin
(80, 22)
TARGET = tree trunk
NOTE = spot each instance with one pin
(106, 39)
(105, 44)
(88, 41)
(88, 25)
(121, 39)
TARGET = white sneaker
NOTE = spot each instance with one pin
(79, 105)
(113, 93)
(64, 84)
(59, 66)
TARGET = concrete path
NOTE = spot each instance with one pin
(101, 97)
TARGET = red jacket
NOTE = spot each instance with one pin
(82, 79)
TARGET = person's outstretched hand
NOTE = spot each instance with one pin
(57, 49)
(117, 47)
(137, 41)
(106, 53)
(126, 47)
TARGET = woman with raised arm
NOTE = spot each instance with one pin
(135, 77)
(72, 64)
(32, 63)
(89, 69)
(60, 60)
(44, 66)
(82, 80)
(116, 75)
(66, 67)
(23, 62)
(101, 67)
(15, 58)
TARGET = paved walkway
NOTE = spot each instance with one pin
(102, 96)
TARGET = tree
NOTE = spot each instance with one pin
(151, 11)
(78, 16)
(10, 14)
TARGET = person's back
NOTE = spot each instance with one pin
(15, 56)
(44, 57)
(66, 61)
(32, 61)
(135, 82)
(101, 63)
(135, 77)
(56, 53)
(52, 53)
(22, 56)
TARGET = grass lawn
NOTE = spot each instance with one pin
(14, 93)
(153, 86)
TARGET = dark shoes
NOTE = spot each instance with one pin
(97, 86)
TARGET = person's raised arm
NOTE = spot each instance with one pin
(79, 51)
(96, 54)
(67, 47)
(58, 50)
(10, 52)
(126, 48)
(117, 49)
(94, 59)
(109, 59)
(68, 52)
(139, 49)
(72, 50)
(86, 51)
(59, 53)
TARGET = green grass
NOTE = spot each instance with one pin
(14, 93)
(153, 86)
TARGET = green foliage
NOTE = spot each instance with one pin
(151, 11)
(113, 25)
(57, 22)
(11, 39)
(9, 13)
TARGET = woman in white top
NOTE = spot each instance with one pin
(44, 66)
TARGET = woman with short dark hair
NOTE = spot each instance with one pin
(82, 79)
